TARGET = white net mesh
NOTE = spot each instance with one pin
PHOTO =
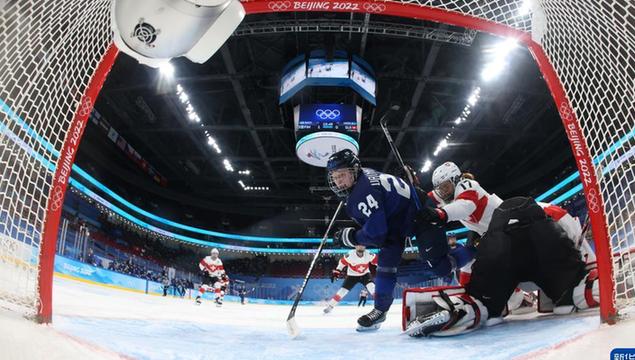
(50, 48)
(591, 45)
(48, 52)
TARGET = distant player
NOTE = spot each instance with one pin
(212, 270)
(363, 295)
(224, 285)
(357, 264)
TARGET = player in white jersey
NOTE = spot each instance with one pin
(212, 271)
(521, 242)
(462, 198)
(357, 263)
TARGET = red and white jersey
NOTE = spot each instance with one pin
(561, 217)
(472, 205)
(357, 265)
(213, 267)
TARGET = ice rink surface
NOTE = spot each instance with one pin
(110, 323)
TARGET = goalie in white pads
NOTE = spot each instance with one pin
(522, 244)
(212, 272)
(357, 264)
(461, 198)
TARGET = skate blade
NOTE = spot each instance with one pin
(368, 328)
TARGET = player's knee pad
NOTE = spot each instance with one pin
(441, 311)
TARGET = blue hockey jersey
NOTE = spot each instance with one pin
(383, 205)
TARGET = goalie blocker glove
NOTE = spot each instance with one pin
(345, 236)
(451, 315)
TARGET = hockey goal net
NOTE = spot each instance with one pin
(54, 53)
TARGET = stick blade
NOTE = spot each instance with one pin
(293, 328)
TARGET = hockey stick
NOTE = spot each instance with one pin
(395, 151)
(292, 326)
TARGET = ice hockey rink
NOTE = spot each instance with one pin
(96, 322)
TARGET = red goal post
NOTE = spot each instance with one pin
(54, 55)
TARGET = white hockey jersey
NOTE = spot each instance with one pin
(357, 265)
(472, 205)
(567, 222)
(213, 267)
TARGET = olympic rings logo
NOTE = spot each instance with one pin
(85, 107)
(374, 7)
(279, 5)
(593, 202)
(56, 198)
(327, 114)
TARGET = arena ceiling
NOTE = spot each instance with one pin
(512, 141)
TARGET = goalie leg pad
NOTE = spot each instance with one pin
(587, 294)
(447, 312)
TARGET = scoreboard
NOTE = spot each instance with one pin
(323, 129)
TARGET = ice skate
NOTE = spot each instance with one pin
(371, 321)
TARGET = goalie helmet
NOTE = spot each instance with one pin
(341, 182)
(446, 172)
(214, 251)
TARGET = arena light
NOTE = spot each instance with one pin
(228, 165)
(244, 172)
(493, 69)
(167, 70)
(473, 99)
(498, 64)
(426, 166)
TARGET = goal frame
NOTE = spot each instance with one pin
(570, 123)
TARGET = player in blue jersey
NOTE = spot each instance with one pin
(384, 208)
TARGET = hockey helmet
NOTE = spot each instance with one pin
(343, 168)
(444, 175)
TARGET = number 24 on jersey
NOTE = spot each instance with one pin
(400, 186)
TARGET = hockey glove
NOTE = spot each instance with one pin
(335, 274)
(345, 236)
(408, 173)
(430, 215)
